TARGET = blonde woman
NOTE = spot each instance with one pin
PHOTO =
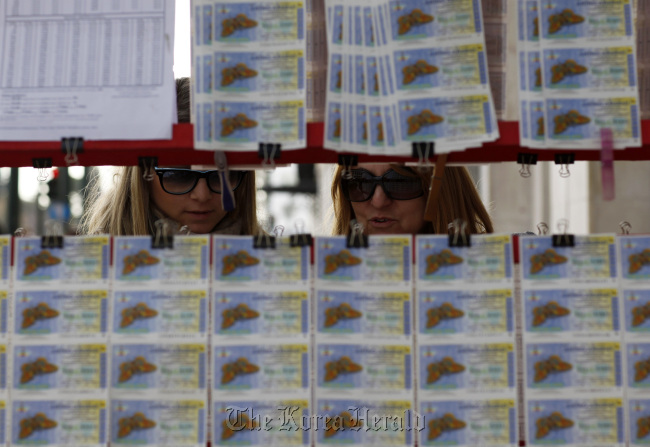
(391, 199)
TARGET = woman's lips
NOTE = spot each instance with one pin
(381, 222)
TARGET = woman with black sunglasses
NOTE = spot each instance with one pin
(391, 199)
(188, 195)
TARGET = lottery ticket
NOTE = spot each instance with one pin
(638, 367)
(638, 418)
(635, 259)
(5, 261)
(636, 313)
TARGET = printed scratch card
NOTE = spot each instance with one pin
(5, 261)
(638, 366)
(637, 311)
(635, 257)
(638, 421)
(576, 19)
(257, 22)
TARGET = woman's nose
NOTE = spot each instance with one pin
(379, 198)
(201, 191)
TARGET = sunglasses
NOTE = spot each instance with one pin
(182, 181)
(360, 185)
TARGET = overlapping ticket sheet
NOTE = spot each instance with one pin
(58, 359)
(407, 71)
(261, 373)
(578, 73)
(573, 352)
(159, 341)
(465, 342)
(5, 299)
(363, 359)
(248, 74)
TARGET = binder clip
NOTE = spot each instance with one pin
(563, 239)
(227, 194)
(20, 232)
(459, 238)
(184, 230)
(565, 160)
(542, 229)
(53, 237)
(71, 146)
(625, 227)
(423, 151)
(263, 240)
(42, 164)
(356, 238)
(347, 161)
(163, 237)
(147, 164)
(300, 239)
(525, 160)
(269, 152)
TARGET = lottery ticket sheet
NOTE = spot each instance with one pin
(248, 74)
(5, 299)
(261, 342)
(364, 368)
(403, 73)
(573, 350)
(465, 341)
(578, 71)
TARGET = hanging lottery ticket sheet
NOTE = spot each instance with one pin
(465, 341)
(572, 340)
(5, 298)
(248, 69)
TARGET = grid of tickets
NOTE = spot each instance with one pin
(465, 342)
(5, 299)
(405, 71)
(363, 360)
(261, 379)
(248, 74)
(578, 73)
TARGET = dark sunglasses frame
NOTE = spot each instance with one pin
(198, 175)
(378, 180)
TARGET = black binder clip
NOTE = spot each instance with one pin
(459, 238)
(42, 164)
(423, 151)
(356, 238)
(526, 159)
(148, 164)
(347, 161)
(269, 152)
(71, 146)
(564, 160)
(300, 239)
(53, 237)
(163, 237)
(263, 240)
(563, 239)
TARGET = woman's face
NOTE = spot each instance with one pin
(382, 215)
(199, 209)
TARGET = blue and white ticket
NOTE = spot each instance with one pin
(156, 369)
(5, 261)
(463, 369)
(573, 367)
(171, 423)
(59, 423)
(461, 315)
(151, 314)
(83, 260)
(4, 313)
(136, 263)
(595, 422)
(490, 422)
(262, 422)
(375, 314)
(251, 315)
(638, 367)
(635, 259)
(237, 263)
(638, 418)
(636, 314)
(487, 261)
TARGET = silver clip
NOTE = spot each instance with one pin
(459, 226)
(148, 173)
(356, 234)
(42, 174)
(184, 230)
(563, 226)
(53, 231)
(524, 171)
(625, 227)
(268, 163)
(564, 171)
(542, 229)
(423, 150)
(20, 232)
(278, 230)
(71, 153)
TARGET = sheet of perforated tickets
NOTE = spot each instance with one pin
(578, 73)
(248, 74)
(401, 72)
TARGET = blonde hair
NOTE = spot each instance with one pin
(458, 199)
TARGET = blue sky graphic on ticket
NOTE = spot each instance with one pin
(639, 421)
(572, 310)
(474, 367)
(136, 261)
(158, 422)
(638, 365)
(459, 66)
(365, 313)
(466, 313)
(162, 367)
(637, 310)
(593, 257)
(149, 311)
(258, 313)
(59, 422)
(82, 259)
(378, 422)
(51, 367)
(272, 21)
(576, 422)
(570, 19)
(425, 19)
(263, 423)
(469, 423)
(261, 367)
(364, 367)
(635, 257)
(235, 260)
(488, 259)
(45, 312)
(385, 260)
(574, 366)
